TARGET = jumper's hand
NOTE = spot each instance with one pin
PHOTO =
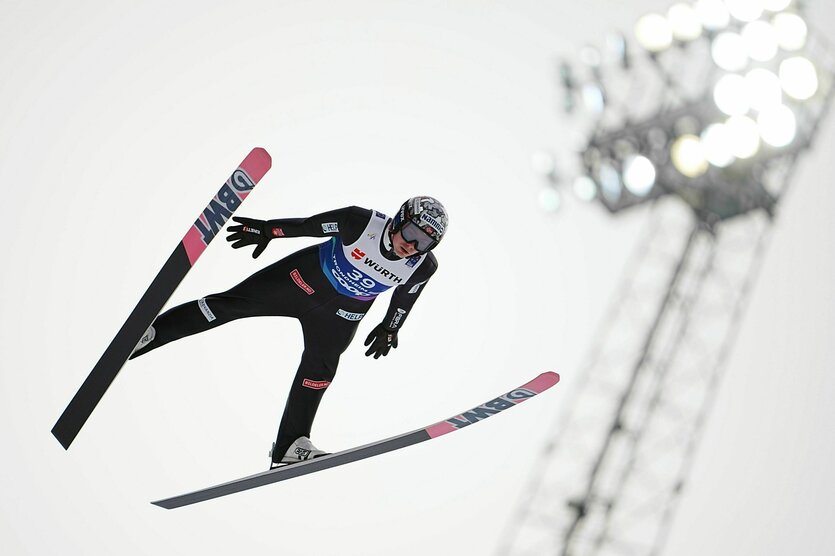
(249, 232)
(381, 340)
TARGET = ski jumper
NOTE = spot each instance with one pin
(328, 287)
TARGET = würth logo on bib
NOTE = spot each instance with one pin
(357, 254)
(297, 278)
(315, 384)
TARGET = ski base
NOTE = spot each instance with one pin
(479, 413)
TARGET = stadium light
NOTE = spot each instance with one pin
(798, 77)
(638, 175)
(731, 95)
(716, 142)
(745, 10)
(688, 156)
(743, 135)
(654, 33)
(610, 185)
(776, 5)
(763, 87)
(728, 51)
(713, 14)
(750, 106)
(543, 163)
(585, 188)
(549, 199)
(777, 125)
(684, 22)
(760, 40)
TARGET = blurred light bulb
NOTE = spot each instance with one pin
(760, 40)
(777, 125)
(712, 13)
(684, 22)
(616, 45)
(716, 142)
(688, 156)
(728, 51)
(731, 95)
(610, 185)
(653, 32)
(638, 175)
(585, 188)
(776, 5)
(590, 56)
(763, 88)
(549, 199)
(593, 98)
(745, 10)
(543, 163)
(744, 136)
(791, 31)
(798, 77)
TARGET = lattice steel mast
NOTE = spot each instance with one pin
(609, 480)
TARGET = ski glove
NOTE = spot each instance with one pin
(250, 232)
(381, 340)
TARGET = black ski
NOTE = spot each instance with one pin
(485, 410)
(219, 210)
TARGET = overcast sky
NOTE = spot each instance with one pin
(118, 121)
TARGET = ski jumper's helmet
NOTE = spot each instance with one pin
(421, 221)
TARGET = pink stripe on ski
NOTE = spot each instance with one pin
(255, 165)
(193, 242)
(537, 385)
(542, 382)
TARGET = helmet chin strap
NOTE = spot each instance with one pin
(388, 243)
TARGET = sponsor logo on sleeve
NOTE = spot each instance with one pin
(379, 214)
(277, 232)
(412, 261)
(330, 227)
(204, 308)
(315, 384)
(415, 288)
(398, 316)
(349, 316)
(297, 278)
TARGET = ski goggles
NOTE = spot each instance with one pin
(412, 233)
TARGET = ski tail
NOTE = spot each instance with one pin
(478, 413)
(195, 241)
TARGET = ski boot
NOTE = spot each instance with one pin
(301, 449)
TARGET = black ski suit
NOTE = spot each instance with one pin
(327, 287)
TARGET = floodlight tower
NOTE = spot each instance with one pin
(705, 121)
